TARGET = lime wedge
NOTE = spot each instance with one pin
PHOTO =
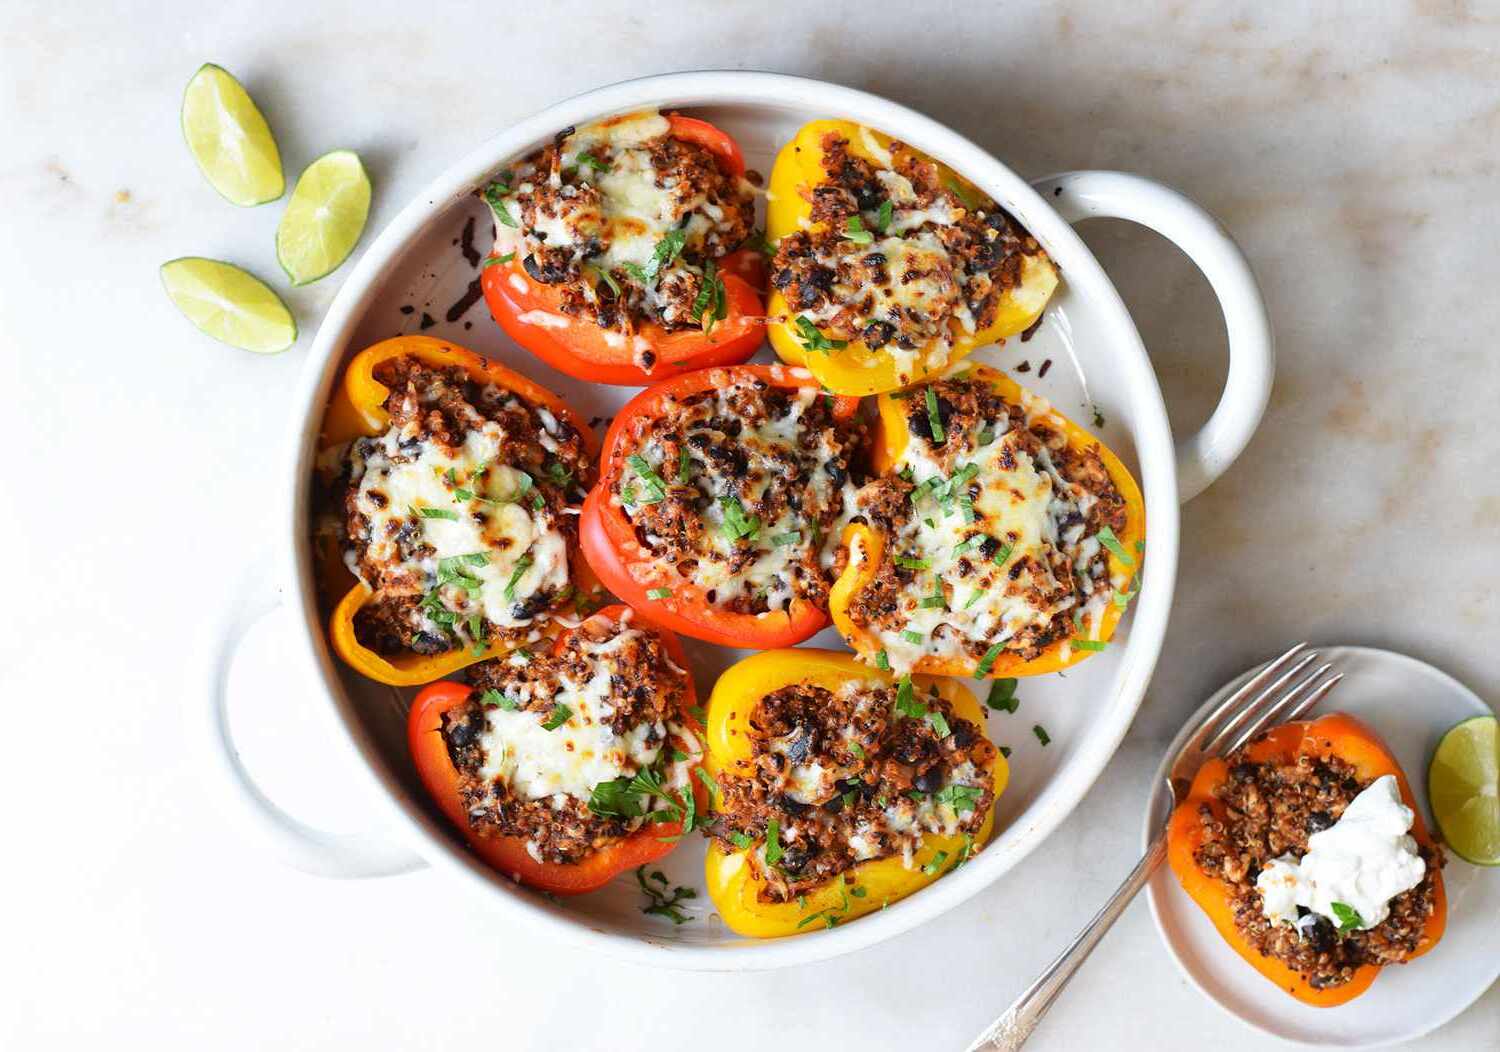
(230, 139)
(229, 304)
(324, 218)
(1463, 785)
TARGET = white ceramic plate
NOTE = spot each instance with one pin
(1411, 704)
(415, 267)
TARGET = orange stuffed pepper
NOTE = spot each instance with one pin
(1307, 852)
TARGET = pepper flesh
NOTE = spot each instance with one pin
(731, 881)
(866, 543)
(858, 369)
(508, 854)
(356, 411)
(630, 571)
(580, 348)
(1336, 735)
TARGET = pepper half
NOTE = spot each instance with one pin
(630, 571)
(582, 349)
(866, 543)
(858, 369)
(357, 410)
(508, 854)
(732, 883)
(1336, 735)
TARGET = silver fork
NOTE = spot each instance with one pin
(1281, 691)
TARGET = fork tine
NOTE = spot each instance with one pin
(1304, 707)
(1271, 713)
(1233, 702)
(1256, 705)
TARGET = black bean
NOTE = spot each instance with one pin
(929, 781)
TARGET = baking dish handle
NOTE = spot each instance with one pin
(1204, 456)
(315, 851)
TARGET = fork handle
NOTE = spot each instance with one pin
(1011, 1030)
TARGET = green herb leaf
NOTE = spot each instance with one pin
(914, 638)
(1109, 540)
(1041, 734)
(1003, 554)
(589, 160)
(522, 565)
(741, 840)
(663, 904)
(436, 513)
(906, 700)
(962, 798)
(782, 539)
(666, 250)
(656, 489)
(939, 724)
(490, 261)
(813, 338)
(883, 215)
(988, 661)
(1002, 697)
(855, 231)
(882, 661)
(495, 700)
(737, 524)
(773, 842)
(1348, 917)
(936, 863)
(659, 593)
(935, 601)
(906, 562)
(934, 418)
(1089, 644)
(559, 716)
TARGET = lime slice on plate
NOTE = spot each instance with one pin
(229, 304)
(324, 218)
(230, 139)
(1463, 785)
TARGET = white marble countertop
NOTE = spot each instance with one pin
(1353, 151)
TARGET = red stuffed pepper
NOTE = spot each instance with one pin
(619, 251)
(719, 502)
(565, 769)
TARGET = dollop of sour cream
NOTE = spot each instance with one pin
(1362, 861)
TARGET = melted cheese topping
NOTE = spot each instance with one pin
(1023, 507)
(510, 548)
(536, 763)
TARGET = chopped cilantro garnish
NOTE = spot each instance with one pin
(813, 338)
(711, 303)
(986, 436)
(1041, 734)
(962, 798)
(773, 842)
(589, 160)
(1002, 696)
(936, 864)
(659, 593)
(1109, 540)
(906, 700)
(781, 539)
(915, 638)
(906, 562)
(988, 661)
(656, 489)
(666, 250)
(741, 840)
(737, 524)
(1348, 917)
(664, 904)
(934, 418)
(490, 261)
(494, 699)
(936, 601)
(522, 565)
(436, 513)
(559, 716)
(882, 661)
(684, 465)
(1005, 751)
(1002, 554)
(855, 231)
(939, 724)
(883, 215)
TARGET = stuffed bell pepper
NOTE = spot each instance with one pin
(1307, 852)
(889, 266)
(455, 485)
(839, 789)
(1000, 539)
(565, 768)
(720, 502)
(619, 253)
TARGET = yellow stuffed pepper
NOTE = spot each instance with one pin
(839, 789)
(455, 484)
(1000, 538)
(889, 266)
